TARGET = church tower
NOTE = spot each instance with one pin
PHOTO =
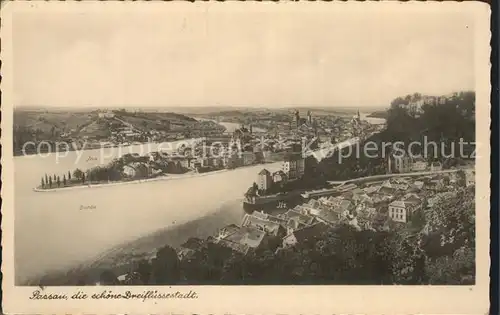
(296, 119)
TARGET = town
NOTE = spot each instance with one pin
(397, 202)
(403, 204)
(407, 214)
(45, 131)
(216, 150)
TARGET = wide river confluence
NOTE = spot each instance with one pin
(53, 232)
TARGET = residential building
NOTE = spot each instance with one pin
(245, 239)
(399, 164)
(269, 227)
(401, 210)
(401, 186)
(295, 220)
(279, 177)
(226, 231)
(387, 190)
(362, 199)
(419, 165)
(418, 184)
(278, 220)
(328, 217)
(436, 166)
(293, 166)
(370, 189)
(435, 184)
(264, 180)
(412, 199)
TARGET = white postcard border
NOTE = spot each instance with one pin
(261, 299)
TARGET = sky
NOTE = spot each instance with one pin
(244, 56)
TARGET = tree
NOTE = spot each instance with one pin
(452, 270)
(46, 179)
(107, 277)
(165, 267)
(69, 175)
(64, 180)
(418, 219)
(83, 178)
(144, 271)
(43, 183)
(55, 177)
(78, 173)
(461, 178)
(50, 182)
(451, 224)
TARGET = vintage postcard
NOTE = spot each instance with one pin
(245, 157)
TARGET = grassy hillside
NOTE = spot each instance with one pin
(36, 125)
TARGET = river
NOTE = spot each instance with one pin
(372, 120)
(52, 232)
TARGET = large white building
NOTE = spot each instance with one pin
(402, 210)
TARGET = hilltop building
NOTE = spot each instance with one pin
(106, 114)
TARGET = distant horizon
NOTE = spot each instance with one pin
(200, 109)
(368, 108)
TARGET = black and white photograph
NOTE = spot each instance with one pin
(230, 145)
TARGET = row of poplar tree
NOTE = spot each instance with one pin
(48, 181)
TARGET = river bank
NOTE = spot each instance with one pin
(146, 180)
(138, 181)
(122, 257)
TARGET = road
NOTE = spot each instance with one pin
(375, 177)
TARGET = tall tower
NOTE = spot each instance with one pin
(309, 117)
(297, 119)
